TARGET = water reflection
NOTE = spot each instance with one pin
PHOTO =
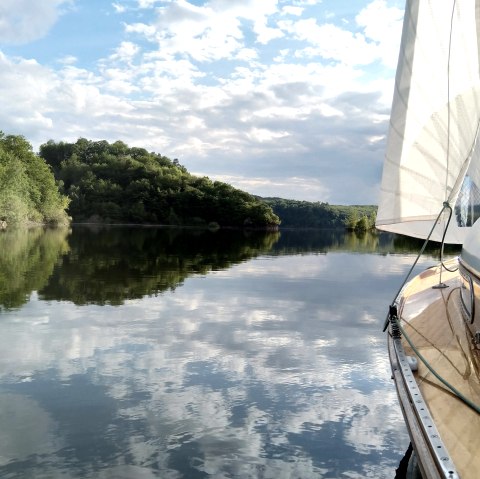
(109, 265)
(323, 241)
(270, 367)
(27, 259)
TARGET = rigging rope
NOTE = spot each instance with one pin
(445, 206)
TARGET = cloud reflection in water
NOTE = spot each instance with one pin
(275, 368)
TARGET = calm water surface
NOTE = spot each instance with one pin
(148, 353)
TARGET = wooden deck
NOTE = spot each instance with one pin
(432, 319)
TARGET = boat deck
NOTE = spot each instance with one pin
(432, 319)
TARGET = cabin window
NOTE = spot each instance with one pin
(467, 297)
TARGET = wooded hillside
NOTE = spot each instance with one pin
(115, 183)
(305, 214)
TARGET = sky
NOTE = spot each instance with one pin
(286, 98)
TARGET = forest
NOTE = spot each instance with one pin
(101, 182)
(305, 214)
(115, 183)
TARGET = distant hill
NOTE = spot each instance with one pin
(305, 214)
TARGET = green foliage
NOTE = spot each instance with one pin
(28, 192)
(305, 214)
(114, 183)
(352, 220)
(361, 222)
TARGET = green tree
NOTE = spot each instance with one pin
(28, 191)
(362, 224)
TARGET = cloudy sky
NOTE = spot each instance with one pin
(285, 98)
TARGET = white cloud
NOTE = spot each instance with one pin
(383, 25)
(263, 135)
(332, 43)
(210, 32)
(148, 3)
(142, 29)
(197, 83)
(119, 8)
(68, 60)
(265, 34)
(248, 55)
(303, 3)
(25, 84)
(22, 21)
(40, 98)
(125, 52)
(291, 10)
(182, 28)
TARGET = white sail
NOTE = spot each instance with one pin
(435, 115)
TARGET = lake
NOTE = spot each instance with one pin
(174, 353)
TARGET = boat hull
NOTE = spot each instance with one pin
(445, 432)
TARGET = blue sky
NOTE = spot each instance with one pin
(285, 98)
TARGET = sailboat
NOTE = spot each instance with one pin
(431, 190)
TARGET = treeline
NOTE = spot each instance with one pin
(97, 181)
(305, 214)
(114, 183)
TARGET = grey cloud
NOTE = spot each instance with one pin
(335, 149)
(289, 93)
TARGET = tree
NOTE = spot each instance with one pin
(362, 224)
(28, 191)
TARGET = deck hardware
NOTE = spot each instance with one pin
(425, 420)
(413, 363)
(393, 316)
